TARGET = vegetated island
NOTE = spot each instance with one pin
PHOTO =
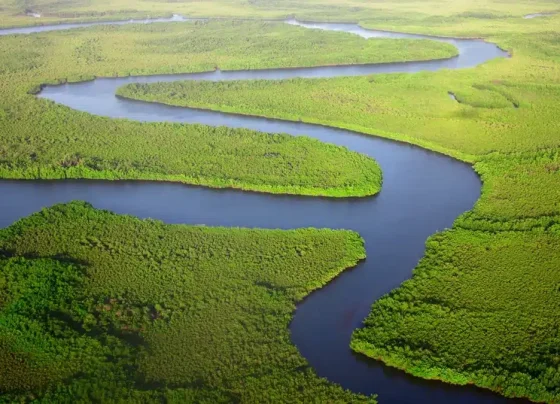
(100, 307)
(482, 307)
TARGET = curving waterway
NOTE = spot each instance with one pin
(423, 192)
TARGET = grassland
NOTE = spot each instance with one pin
(41, 140)
(482, 306)
(100, 307)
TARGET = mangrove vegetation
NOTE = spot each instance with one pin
(96, 307)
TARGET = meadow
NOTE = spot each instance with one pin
(482, 305)
(100, 307)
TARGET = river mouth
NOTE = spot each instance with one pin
(423, 192)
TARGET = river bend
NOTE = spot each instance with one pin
(423, 192)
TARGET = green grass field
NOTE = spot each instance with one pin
(107, 308)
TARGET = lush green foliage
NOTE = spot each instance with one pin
(124, 309)
(51, 331)
(411, 107)
(482, 306)
(42, 140)
(520, 186)
(34, 352)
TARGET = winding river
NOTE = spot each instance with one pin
(423, 192)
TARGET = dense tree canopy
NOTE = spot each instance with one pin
(125, 309)
(482, 306)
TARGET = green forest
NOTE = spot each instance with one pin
(481, 306)
(97, 307)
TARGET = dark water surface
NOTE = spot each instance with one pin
(423, 192)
